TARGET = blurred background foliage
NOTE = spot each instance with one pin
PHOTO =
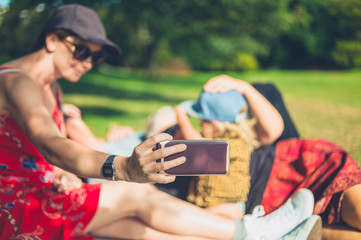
(216, 35)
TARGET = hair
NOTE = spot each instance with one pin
(40, 40)
(243, 129)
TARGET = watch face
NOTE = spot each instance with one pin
(108, 168)
(108, 171)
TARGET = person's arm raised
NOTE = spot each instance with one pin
(185, 125)
(269, 121)
(23, 99)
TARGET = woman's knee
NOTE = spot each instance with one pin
(142, 191)
(351, 207)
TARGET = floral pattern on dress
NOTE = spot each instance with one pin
(29, 207)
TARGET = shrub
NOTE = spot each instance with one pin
(347, 53)
(243, 61)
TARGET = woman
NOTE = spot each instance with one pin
(225, 115)
(323, 167)
(40, 193)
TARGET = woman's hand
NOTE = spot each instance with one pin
(71, 110)
(142, 166)
(65, 181)
(224, 83)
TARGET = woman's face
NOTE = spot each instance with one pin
(69, 54)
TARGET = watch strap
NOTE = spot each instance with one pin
(108, 168)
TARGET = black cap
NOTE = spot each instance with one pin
(84, 22)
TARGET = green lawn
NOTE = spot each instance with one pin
(322, 104)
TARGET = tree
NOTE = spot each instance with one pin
(208, 34)
(347, 49)
(325, 34)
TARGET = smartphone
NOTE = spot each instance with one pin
(203, 157)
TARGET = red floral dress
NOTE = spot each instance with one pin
(319, 165)
(29, 208)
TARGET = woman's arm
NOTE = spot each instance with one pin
(77, 130)
(23, 99)
(269, 122)
(185, 125)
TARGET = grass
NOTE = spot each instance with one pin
(323, 104)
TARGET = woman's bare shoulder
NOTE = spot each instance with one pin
(15, 80)
(14, 85)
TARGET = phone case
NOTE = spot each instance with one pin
(204, 157)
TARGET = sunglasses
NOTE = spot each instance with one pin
(82, 52)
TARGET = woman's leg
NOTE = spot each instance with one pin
(132, 228)
(233, 211)
(351, 215)
(163, 214)
(340, 232)
(157, 210)
(351, 207)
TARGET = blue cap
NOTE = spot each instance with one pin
(223, 107)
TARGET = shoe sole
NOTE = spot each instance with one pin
(313, 229)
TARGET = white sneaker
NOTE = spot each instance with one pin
(310, 229)
(282, 220)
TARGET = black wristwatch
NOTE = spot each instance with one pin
(108, 168)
